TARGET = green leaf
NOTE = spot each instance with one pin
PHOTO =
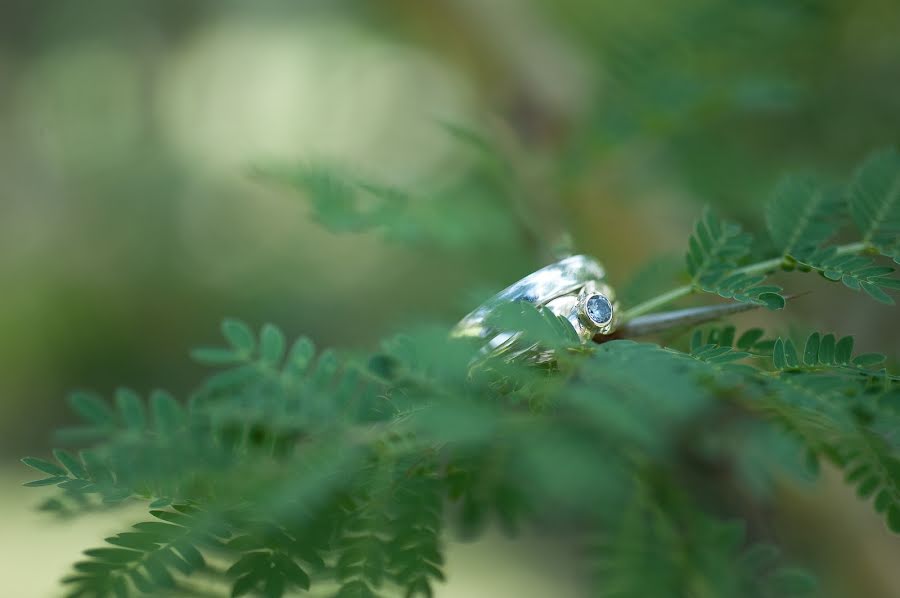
(239, 336)
(857, 272)
(92, 409)
(142, 541)
(167, 413)
(874, 198)
(696, 340)
(811, 350)
(52, 481)
(874, 291)
(172, 559)
(172, 517)
(290, 569)
(246, 584)
(131, 408)
(356, 589)
(778, 355)
(274, 585)
(300, 356)
(711, 352)
(826, 350)
(725, 336)
(71, 462)
(344, 201)
(252, 561)
(114, 555)
(773, 301)
(120, 587)
(843, 350)
(272, 345)
(141, 582)
(158, 572)
(217, 356)
(803, 215)
(45, 466)
(534, 325)
(790, 354)
(336, 200)
(716, 247)
(190, 554)
(869, 359)
(893, 518)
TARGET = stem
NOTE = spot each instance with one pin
(757, 268)
(656, 302)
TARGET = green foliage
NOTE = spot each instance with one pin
(856, 272)
(643, 554)
(291, 470)
(540, 326)
(802, 217)
(830, 400)
(875, 202)
(271, 500)
(805, 215)
(825, 352)
(149, 559)
(716, 249)
(438, 213)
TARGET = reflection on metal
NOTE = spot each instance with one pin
(573, 288)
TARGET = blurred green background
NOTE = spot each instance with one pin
(131, 224)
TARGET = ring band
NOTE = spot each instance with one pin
(573, 288)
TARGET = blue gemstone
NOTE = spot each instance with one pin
(599, 309)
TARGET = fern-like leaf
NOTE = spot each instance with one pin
(826, 352)
(716, 249)
(874, 197)
(856, 272)
(149, 559)
(415, 553)
(648, 554)
(803, 214)
(870, 465)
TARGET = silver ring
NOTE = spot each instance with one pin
(573, 288)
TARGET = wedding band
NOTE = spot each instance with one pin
(573, 288)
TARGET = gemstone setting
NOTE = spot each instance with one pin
(598, 309)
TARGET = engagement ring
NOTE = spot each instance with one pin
(573, 288)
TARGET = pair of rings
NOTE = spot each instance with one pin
(573, 288)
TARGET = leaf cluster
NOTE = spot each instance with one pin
(288, 477)
(296, 470)
(437, 213)
(716, 249)
(805, 215)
